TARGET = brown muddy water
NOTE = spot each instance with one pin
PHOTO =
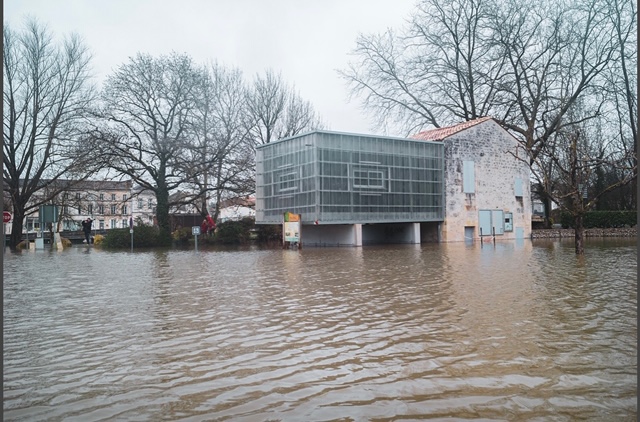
(523, 332)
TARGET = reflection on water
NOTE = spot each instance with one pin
(493, 332)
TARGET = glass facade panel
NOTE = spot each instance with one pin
(345, 179)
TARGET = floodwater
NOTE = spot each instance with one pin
(525, 332)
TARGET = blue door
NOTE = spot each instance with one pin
(484, 221)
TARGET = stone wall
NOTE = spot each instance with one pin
(570, 233)
(492, 150)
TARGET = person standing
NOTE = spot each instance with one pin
(86, 227)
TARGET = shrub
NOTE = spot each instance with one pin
(602, 219)
(98, 239)
(235, 232)
(268, 233)
(182, 235)
(66, 243)
(143, 237)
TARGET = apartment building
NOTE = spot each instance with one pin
(109, 203)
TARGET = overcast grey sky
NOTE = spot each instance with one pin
(306, 40)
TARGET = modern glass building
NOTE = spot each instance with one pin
(341, 178)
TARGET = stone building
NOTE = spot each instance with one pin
(442, 185)
(487, 189)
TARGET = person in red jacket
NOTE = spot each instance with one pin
(211, 225)
(203, 227)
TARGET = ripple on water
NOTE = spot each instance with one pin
(397, 332)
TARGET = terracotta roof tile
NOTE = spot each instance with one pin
(444, 132)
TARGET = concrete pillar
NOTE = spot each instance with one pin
(58, 241)
(416, 233)
(357, 232)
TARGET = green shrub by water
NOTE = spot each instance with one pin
(268, 232)
(227, 233)
(143, 237)
(602, 219)
(234, 232)
(182, 235)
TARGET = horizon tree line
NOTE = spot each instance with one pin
(165, 122)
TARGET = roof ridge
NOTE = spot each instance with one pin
(438, 134)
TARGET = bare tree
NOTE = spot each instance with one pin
(224, 150)
(442, 69)
(622, 85)
(580, 153)
(527, 64)
(277, 111)
(46, 97)
(148, 128)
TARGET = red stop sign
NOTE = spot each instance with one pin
(6, 216)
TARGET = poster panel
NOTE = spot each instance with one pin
(291, 227)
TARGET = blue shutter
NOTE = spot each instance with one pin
(518, 187)
(497, 219)
(484, 221)
(468, 177)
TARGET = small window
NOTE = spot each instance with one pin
(90, 208)
(77, 195)
(124, 196)
(113, 209)
(113, 224)
(100, 209)
(150, 203)
(508, 221)
(368, 179)
(113, 196)
(287, 182)
(101, 224)
(124, 209)
(102, 196)
(468, 177)
(140, 204)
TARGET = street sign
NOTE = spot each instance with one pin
(6, 216)
(195, 230)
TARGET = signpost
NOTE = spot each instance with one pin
(6, 217)
(131, 231)
(195, 230)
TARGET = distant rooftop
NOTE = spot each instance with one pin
(444, 132)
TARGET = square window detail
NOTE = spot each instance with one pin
(368, 178)
(287, 182)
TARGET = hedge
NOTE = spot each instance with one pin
(234, 232)
(602, 219)
(143, 237)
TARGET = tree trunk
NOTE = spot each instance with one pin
(162, 215)
(16, 226)
(547, 212)
(579, 234)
